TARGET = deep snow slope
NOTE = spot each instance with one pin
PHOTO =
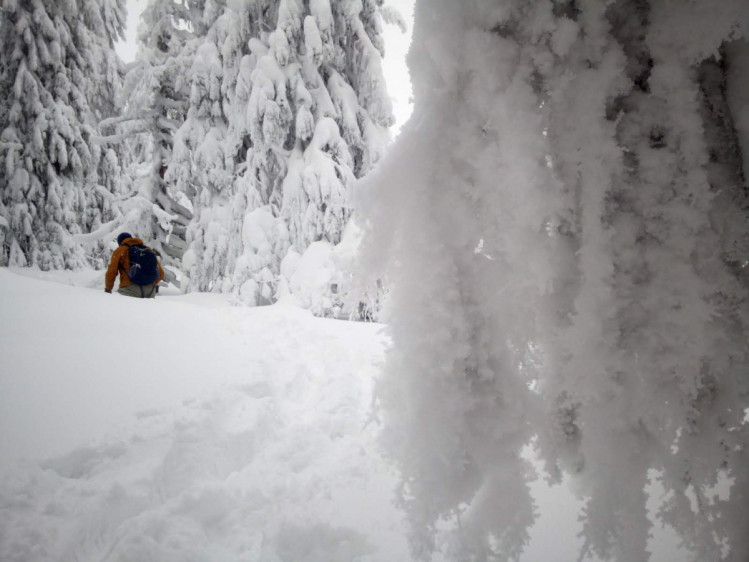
(183, 429)
(187, 430)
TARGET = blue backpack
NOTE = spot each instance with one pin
(143, 268)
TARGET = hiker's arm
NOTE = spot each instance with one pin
(112, 270)
(161, 272)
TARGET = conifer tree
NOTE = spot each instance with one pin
(277, 134)
(156, 92)
(59, 76)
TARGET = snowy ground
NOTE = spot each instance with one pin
(183, 429)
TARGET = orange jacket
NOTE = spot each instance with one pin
(120, 263)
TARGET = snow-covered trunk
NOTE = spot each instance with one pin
(168, 218)
(566, 218)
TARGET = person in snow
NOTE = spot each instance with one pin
(139, 269)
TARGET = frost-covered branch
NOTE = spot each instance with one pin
(595, 151)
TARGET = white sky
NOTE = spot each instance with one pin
(394, 65)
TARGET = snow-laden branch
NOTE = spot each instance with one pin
(91, 238)
(163, 101)
(134, 209)
(140, 116)
(392, 16)
(114, 139)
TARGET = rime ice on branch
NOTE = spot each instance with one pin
(564, 226)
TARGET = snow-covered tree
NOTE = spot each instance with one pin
(204, 166)
(565, 225)
(288, 108)
(59, 76)
(156, 101)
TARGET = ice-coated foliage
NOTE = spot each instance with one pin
(564, 226)
(58, 78)
(287, 109)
